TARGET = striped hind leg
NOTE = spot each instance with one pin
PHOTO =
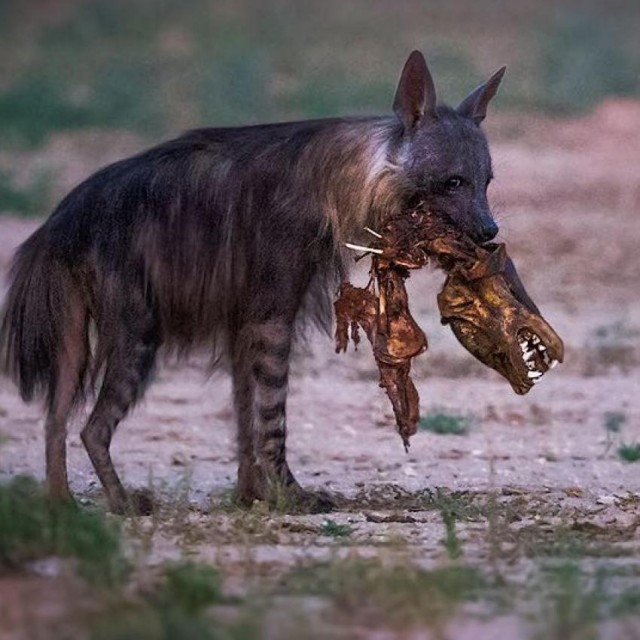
(261, 375)
(71, 367)
(127, 369)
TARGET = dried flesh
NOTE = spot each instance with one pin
(483, 300)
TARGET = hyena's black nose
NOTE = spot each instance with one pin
(488, 231)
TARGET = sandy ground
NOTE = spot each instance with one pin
(567, 197)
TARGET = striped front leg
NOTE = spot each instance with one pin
(261, 376)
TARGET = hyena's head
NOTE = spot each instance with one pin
(445, 157)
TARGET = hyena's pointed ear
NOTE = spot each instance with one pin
(474, 106)
(416, 95)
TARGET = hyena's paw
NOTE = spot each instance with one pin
(138, 502)
(290, 499)
(141, 503)
(279, 491)
(293, 499)
(313, 502)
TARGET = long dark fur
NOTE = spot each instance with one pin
(209, 228)
(224, 239)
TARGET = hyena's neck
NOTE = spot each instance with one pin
(358, 174)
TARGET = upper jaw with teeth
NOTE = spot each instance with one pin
(535, 356)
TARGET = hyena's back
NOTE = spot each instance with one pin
(199, 237)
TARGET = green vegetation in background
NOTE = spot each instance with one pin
(32, 528)
(156, 67)
(567, 595)
(582, 61)
(33, 200)
(402, 595)
(98, 68)
(573, 601)
(179, 608)
(192, 586)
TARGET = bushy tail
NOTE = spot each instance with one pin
(34, 316)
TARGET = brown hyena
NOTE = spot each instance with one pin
(225, 239)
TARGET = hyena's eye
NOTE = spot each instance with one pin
(453, 183)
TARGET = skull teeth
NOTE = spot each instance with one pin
(531, 346)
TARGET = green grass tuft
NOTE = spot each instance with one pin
(31, 528)
(444, 423)
(192, 587)
(629, 452)
(451, 542)
(334, 530)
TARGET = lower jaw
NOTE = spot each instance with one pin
(521, 390)
(520, 386)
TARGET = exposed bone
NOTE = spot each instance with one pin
(373, 233)
(357, 247)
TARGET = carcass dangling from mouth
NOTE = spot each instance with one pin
(483, 300)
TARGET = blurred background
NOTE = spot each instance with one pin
(148, 69)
